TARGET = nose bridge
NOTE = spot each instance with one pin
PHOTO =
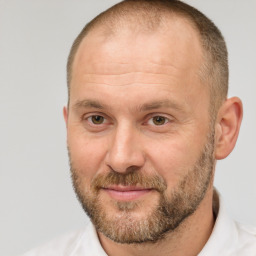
(124, 149)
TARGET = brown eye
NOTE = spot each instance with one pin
(159, 120)
(97, 119)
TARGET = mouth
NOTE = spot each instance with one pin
(126, 193)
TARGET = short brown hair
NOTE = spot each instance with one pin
(148, 14)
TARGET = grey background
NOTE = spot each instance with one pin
(36, 198)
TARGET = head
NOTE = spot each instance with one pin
(147, 117)
(150, 16)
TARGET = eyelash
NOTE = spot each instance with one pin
(90, 117)
(165, 119)
(149, 121)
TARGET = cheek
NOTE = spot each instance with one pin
(86, 154)
(172, 159)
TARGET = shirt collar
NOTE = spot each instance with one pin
(224, 234)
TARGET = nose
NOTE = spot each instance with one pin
(125, 151)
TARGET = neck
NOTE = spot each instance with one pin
(187, 240)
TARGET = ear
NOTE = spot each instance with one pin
(65, 115)
(227, 127)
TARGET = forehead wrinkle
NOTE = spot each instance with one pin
(126, 84)
(121, 78)
(136, 66)
(134, 78)
(126, 73)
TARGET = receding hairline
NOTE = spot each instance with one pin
(103, 33)
(110, 23)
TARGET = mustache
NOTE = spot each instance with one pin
(135, 178)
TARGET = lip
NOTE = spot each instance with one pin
(126, 193)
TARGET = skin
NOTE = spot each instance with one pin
(105, 71)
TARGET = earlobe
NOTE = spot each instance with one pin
(65, 115)
(227, 127)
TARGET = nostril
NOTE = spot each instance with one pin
(129, 169)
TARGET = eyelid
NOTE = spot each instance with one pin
(90, 118)
(169, 117)
(151, 122)
(90, 115)
(106, 118)
(166, 120)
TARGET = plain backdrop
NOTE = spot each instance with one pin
(37, 202)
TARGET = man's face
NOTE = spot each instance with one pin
(139, 134)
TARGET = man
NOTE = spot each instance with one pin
(147, 119)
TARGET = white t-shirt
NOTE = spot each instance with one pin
(228, 238)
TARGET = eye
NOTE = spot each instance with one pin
(158, 120)
(96, 119)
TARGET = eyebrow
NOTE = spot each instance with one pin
(159, 104)
(90, 103)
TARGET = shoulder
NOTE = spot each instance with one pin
(229, 238)
(62, 245)
(246, 239)
(74, 243)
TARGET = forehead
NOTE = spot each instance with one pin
(132, 63)
(176, 44)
